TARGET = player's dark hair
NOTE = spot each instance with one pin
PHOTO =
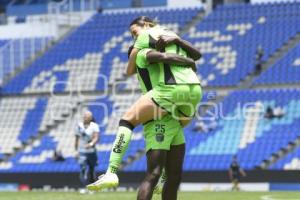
(140, 21)
(129, 50)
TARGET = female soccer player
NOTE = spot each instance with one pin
(178, 91)
(164, 138)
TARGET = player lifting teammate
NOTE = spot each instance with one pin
(178, 91)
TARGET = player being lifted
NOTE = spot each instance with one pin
(178, 91)
(163, 136)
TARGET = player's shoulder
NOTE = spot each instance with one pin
(143, 52)
(94, 125)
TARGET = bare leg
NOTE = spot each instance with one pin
(155, 164)
(143, 110)
(175, 158)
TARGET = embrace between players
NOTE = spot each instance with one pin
(166, 70)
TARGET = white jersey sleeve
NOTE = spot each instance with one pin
(95, 127)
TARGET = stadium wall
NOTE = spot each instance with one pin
(279, 179)
(17, 31)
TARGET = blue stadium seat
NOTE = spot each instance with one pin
(97, 51)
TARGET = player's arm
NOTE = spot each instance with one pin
(131, 66)
(170, 58)
(164, 40)
(94, 140)
(76, 142)
(230, 173)
(242, 172)
(141, 42)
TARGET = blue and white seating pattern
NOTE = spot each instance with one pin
(242, 131)
(96, 51)
(286, 70)
(74, 65)
(288, 162)
(15, 52)
(20, 119)
(97, 41)
(2, 42)
(229, 37)
(38, 156)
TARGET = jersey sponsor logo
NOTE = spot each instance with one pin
(119, 145)
(159, 137)
(160, 130)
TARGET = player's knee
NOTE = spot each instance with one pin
(154, 175)
(129, 116)
(126, 123)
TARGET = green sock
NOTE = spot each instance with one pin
(119, 148)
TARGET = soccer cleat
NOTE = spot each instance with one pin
(159, 186)
(105, 181)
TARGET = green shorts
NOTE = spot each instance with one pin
(162, 134)
(182, 99)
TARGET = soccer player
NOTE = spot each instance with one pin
(176, 89)
(165, 144)
(87, 135)
(234, 173)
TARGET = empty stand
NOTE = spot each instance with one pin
(288, 162)
(90, 52)
(95, 55)
(241, 130)
(285, 71)
(15, 52)
(229, 36)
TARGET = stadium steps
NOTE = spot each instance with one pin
(279, 54)
(280, 154)
(192, 23)
(273, 59)
(247, 83)
(27, 62)
(279, 86)
(41, 133)
(37, 55)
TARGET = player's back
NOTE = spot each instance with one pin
(169, 74)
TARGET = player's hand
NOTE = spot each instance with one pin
(89, 145)
(164, 40)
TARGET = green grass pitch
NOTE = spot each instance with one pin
(132, 196)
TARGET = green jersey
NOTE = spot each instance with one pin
(167, 131)
(148, 74)
(169, 74)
